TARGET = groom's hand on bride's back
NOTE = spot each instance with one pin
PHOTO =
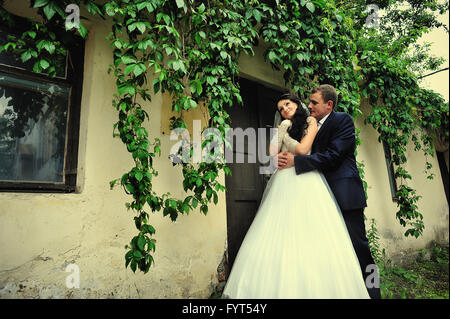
(284, 160)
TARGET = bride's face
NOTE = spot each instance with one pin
(287, 108)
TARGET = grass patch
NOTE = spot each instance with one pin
(425, 278)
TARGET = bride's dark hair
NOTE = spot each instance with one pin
(299, 123)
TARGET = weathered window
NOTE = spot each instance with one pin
(443, 166)
(390, 170)
(39, 122)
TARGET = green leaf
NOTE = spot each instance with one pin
(133, 265)
(40, 45)
(172, 212)
(44, 64)
(158, 150)
(112, 183)
(127, 89)
(131, 27)
(31, 34)
(156, 85)
(185, 208)
(129, 68)
(196, 87)
(152, 246)
(169, 50)
(82, 30)
(163, 16)
(180, 3)
(25, 56)
(141, 242)
(310, 7)
(138, 175)
(49, 46)
(49, 11)
(149, 229)
(150, 8)
(137, 254)
(257, 14)
(128, 257)
(227, 170)
(178, 65)
(40, 3)
(128, 59)
(141, 26)
(211, 80)
(130, 188)
(194, 202)
(139, 69)
(93, 8)
(219, 120)
(272, 56)
(142, 5)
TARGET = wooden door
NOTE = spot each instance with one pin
(245, 186)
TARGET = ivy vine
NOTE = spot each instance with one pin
(191, 48)
(193, 52)
(404, 108)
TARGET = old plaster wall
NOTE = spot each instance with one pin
(433, 203)
(41, 234)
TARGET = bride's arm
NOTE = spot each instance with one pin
(277, 140)
(304, 146)
(273, 149)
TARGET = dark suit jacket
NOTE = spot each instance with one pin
(333, 153)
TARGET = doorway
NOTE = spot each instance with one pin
(246, 185)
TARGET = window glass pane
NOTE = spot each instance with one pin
(33, 121)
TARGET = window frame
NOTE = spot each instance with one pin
(444, 172)
(73, 80)
(390, 170)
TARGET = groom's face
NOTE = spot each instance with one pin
(318, 107)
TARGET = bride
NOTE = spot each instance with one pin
(298, 245)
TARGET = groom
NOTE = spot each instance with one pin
(333, 154)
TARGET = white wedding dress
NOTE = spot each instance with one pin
(297, 246)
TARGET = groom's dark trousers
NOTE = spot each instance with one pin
(333, 153)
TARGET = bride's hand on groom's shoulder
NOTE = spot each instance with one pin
(285, 124)
(311, 119)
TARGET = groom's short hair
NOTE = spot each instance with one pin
(328, 93)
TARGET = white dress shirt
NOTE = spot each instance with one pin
(320, 123)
